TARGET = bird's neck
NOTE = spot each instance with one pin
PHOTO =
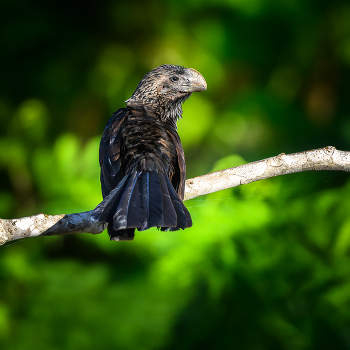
(168, 111)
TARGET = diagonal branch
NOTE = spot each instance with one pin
(327, 158)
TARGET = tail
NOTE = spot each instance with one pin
(142, 200)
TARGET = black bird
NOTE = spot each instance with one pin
(142, 162)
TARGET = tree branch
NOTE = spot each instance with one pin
(327, 158)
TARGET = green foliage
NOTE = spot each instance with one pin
(265, 265)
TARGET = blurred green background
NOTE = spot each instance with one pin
(266, 265)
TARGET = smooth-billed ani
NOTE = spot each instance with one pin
(142, 162)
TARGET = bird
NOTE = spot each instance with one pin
(142, 161)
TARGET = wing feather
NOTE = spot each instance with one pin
(179, 177)
(109, 153)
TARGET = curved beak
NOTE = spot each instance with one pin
(195, 81)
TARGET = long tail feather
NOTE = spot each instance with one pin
(135, 212)
(155, 200)
(145, 201)
(104, 211)
(142, 200)
(121, 235)
(183, 216)
(169, 213)
(121, 214)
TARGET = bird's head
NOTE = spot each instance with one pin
(164, 89)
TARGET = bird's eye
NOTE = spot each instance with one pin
(174, 78)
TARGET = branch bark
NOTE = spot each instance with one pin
(327, 158)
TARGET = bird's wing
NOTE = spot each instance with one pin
(179, 177)
(111, 170)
